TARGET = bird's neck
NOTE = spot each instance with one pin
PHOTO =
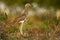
(26, 11)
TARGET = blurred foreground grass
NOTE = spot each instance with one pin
(38, 27)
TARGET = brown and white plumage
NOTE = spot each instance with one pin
(25, 14)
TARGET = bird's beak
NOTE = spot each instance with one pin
(30, 5)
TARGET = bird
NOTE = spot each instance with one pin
(21, 19)
(25, 14)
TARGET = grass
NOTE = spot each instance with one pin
(37, 28)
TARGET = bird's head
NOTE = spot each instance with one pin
(27, 5)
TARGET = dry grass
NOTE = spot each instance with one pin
(39, 29)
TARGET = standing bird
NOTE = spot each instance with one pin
(25, 14)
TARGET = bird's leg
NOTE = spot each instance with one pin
(21, 27)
